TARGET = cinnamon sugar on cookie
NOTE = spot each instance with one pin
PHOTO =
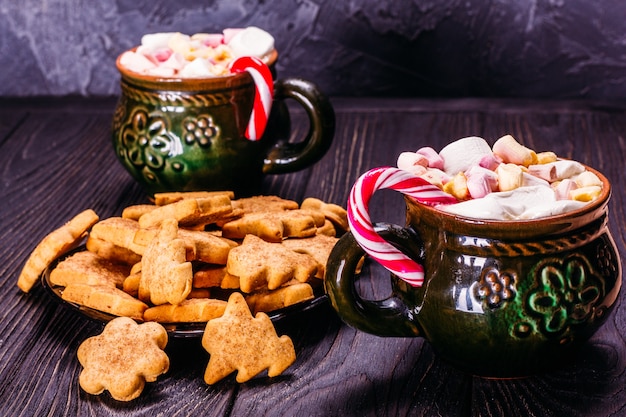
(237, 341)
(123, 358)
(166, 276)
(260, 264)
(190, 211)
(88, 268)
(54, 245)
(105, 298)
(193, 310)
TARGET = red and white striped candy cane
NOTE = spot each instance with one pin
(363, 230)
(263, 93)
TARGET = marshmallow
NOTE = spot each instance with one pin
(457, 186)
(196, 69)
(546, 157)
(490, 161)
(521, 203)
(567, 169)
(436, 177)
(175, 62)
(460, 155)
(528, 180)
(545, 171)
(586, 179)
(586, 194)
(161, 72)
(136, 62)
(175, 50)
(230, 33)
(434, 159)
(252, 41)
(156, 40)
(209, 39)
(481, 181)
(510, 176)
(551, 208)
(507, 182)
(564, 188)
(511, 151)
(408, 161)
(180, 43)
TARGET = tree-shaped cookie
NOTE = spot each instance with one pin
(123, 358)
(166, 276)
(237, 341)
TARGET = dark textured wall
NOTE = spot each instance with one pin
(527, 48)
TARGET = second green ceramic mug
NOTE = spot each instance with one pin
(498, 298)
(188, 134)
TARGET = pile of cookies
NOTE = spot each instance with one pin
(193, 257)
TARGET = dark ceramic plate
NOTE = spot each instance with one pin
(179, 330)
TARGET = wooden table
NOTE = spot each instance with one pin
(56, 158)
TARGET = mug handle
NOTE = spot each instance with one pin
(395, 249)
(388, 317)
(294, 156)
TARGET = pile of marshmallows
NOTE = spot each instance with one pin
(174, 54)
(506, 182)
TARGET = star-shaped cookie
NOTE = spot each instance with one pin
(237, 341)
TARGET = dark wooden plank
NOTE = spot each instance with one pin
(58, 160)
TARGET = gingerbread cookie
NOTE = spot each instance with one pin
(123, 358)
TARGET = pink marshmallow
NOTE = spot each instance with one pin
(434, 160)
(162, 54)
(544, 171)
(481, 181)
(213, 39)
(230, 32)
(490, 161)
(563, 189)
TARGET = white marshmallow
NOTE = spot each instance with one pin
(461, 154)
(436, 177)
(156, 40)
(408, 160)
(196, 69)
(567, 169)
(521, 203)
(175, 62)
(251, 41)
(528, 180)
(136, 62)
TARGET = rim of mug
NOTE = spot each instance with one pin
(178, 82)
(592, 206)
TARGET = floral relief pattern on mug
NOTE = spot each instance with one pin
(565, 294)
(147, 142)
(201, 130)
(495, 287)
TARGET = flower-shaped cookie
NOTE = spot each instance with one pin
(239, 342)
(123, 358)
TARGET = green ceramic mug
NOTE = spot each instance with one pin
(498, 298)
(188, 134)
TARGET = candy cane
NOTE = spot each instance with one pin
(263, 93)
(361, 225)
